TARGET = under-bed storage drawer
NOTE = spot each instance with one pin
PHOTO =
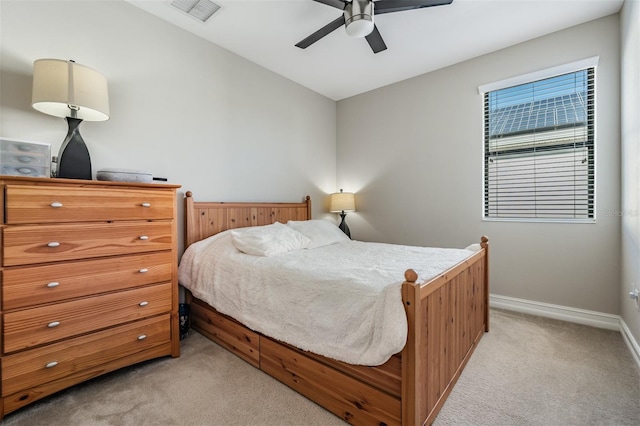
(227, 332)
(33, 327)
(37, 285)
(31, 368)
(343, 395)
(51, 204)
(25, 245)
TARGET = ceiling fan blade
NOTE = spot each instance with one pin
(339, 4)
(389, 6)
(375, 41)
(332, 26)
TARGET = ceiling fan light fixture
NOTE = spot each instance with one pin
(358, 17)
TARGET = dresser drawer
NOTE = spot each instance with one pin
(41, 365)
(36, 326)
(51, 204)
(36, 285)
(31, 244)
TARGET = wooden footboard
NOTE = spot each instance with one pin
(446, 317)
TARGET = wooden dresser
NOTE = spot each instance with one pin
(89, 281)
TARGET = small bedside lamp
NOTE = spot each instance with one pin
(75, 92)
(342, 202)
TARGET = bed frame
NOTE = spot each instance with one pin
(447, 316)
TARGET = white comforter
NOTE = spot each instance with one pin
(342, 301)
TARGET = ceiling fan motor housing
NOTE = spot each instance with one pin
(358, 17)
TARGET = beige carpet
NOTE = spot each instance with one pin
(535, 371)
(526, 371)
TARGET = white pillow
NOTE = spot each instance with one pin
(268, 240)
(321, 232)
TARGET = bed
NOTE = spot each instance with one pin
(446, 317)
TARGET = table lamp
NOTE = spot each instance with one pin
(342, 202)
(76, 92)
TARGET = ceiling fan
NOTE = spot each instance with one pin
(358, 15)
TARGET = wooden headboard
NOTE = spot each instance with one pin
(203, 219)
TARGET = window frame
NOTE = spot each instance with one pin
(483, 90)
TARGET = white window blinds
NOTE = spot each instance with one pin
(539, 149)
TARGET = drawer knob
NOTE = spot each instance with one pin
(51, 364)
(143, 270)
(53, 244)
(53, 284)
(146, 204)
(145, 303)
(144, 237)
(53, 324)
(56, 204)
(142, 337)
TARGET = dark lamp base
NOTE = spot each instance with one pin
(74, 161)
(343, 225)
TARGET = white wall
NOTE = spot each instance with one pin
(182, 108)
(630, 82)
(413, 153)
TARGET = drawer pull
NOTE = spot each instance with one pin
(145, 303)
(142, 337)
(53, 244)
(53, 284)
(146, 204)
(51, 364)
(53, 324)
(144, 237)
(56, 204)
(143, 270)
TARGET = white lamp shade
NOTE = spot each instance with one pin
(342, 201)
(59, 85)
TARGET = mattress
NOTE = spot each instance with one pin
(341, 300)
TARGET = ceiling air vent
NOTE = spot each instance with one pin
(199, 9)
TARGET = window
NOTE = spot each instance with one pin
(539, 149)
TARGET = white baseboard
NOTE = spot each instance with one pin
(632, 344)
(566, 313)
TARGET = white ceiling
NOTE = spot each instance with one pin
(418, 41)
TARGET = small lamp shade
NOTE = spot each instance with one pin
(342, 202)
(61, 86)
